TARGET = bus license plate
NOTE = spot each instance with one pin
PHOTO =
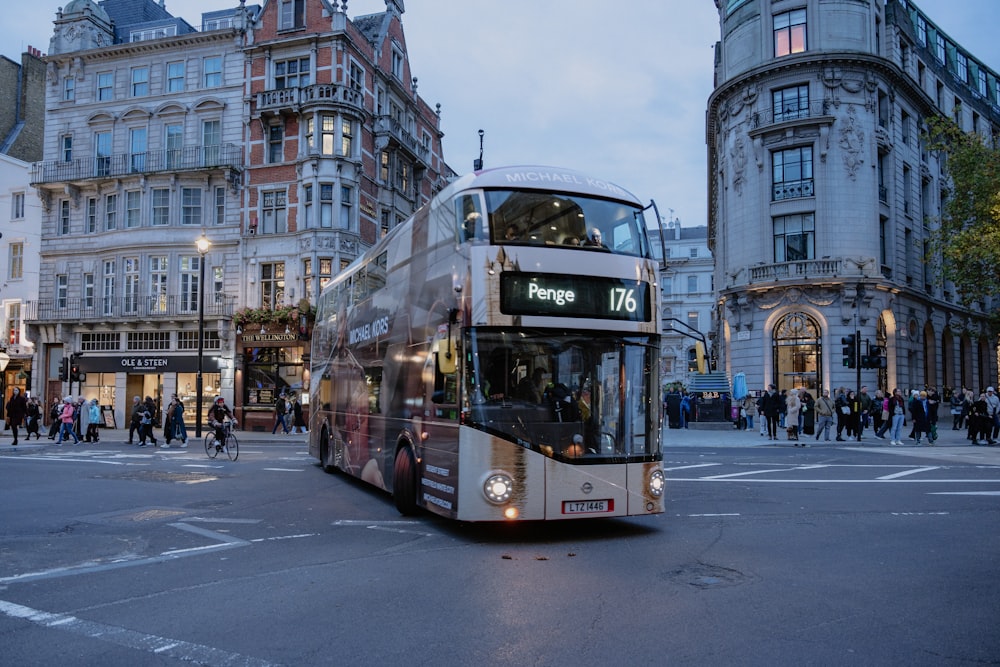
(587, 506)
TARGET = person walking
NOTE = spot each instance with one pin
(298, 421)
(824, 415)
(993, 412)
(83, 410)
(93, 421)
(16, 411)
(177, 429)
(958, 409)
(793, 405)
(933, 402)
(918, 414)
(147, 410)
(66, 419)
(897, 415)
(749, 408)
(55, 413)
(979, 421)
(135, 418)
(280, 412)
(807, 416)
(772, 407)
(33, 418)
(843, 411)
(864, 410)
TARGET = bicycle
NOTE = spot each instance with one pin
(229, 444)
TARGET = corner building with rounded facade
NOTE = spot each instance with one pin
(823, 198)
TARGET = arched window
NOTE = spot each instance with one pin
(797, 353)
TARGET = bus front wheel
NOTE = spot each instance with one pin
(404, 481)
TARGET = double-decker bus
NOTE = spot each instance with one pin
(495, 357)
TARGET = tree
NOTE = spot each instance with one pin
(968, 237)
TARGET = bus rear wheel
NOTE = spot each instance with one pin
(326, 452)
(404, 481)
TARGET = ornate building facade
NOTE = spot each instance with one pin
(262, 131)
(823, 198)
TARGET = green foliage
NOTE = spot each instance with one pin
(968, 238)
(279, 315)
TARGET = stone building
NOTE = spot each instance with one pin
(22, 108)
(823, 198)
(159, 132)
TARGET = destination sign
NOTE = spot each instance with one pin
(574, 296)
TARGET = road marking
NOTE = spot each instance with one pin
(904, 473)
(731, 514)
(63, 458)
(697, 465)
(283, 469)
(749, 472)
(965, 493)
(198, 654)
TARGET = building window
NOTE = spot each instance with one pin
(102, 153)
(133, 210)
(67, 147)
(211, 141)
(291, 73)
(62, 290)
(326, 205)
(962, 67)
(346, 206)
(883, 230)
(15, 262)
(272, 284)
(794, 238)
(789, 33)
(384, 167)
(130, 271)
(792, 173)
(190, 266)
(69, 89)
(91, 215)
(921, 30)
(904, 127)
(273, 212)
(357, 77)
(403, 177)
(88, 291)
(307, 207)
(174, 143)
(397, 63)
(147, 340)
(327, 134)
(105, 86)
(17, 206)
(692, 285)
(981, 82)
(939, 49)
(152, 33)
(191, 206)
(275, 135)
(220, 205)
(692, 320)
(158, 273)
(346, 138)
(137, 149)
(140, 81)
(175, 77)
(384, 222)
(14, 323)
(217, 284)
(291, 14)
(161, 206)
(108, 303)
(63, 217)
(211, 71)
(693, 253)
(310, 126)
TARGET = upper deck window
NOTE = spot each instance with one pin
(528, 217)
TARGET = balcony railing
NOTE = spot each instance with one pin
(788, 112)
(149, 162)
(801, 269)
(792, 189)
(293, 98)
(148, 308)
(389, 126)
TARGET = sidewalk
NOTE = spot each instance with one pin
(119, 438)
(949, 443)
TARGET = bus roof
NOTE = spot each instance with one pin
(535, 177)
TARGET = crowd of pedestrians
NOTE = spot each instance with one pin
(848, 414)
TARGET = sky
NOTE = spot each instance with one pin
(614, 89)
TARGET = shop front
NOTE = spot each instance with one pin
(267, 366)
(115, 379)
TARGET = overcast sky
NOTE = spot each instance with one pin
(615, 89)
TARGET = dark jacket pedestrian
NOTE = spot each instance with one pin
(33, 419)
(919, 415)
(135, 417)
(16, 411)
(299, 423)
(772, 404)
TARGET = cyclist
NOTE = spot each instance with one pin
(216, 419)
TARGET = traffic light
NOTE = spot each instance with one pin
(850, 343)
(875, 358)
(64, 370)
(75, 375)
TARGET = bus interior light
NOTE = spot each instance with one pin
(657, 483)
(498, 488)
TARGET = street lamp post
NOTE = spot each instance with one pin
(203, 244)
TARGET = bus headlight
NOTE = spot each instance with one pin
(657, 483)
(498, 488)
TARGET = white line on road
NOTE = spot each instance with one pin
(283, 469)
(698, 465)
(732, 514)
(965, 493)
(904, 473)
(198, 654)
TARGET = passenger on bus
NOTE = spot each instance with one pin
(575, 450)
(532, 389)
(512, 233)
(594, 238)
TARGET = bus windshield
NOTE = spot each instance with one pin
(530, 217)
(580, 397)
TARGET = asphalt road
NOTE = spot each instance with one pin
(767, 555)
